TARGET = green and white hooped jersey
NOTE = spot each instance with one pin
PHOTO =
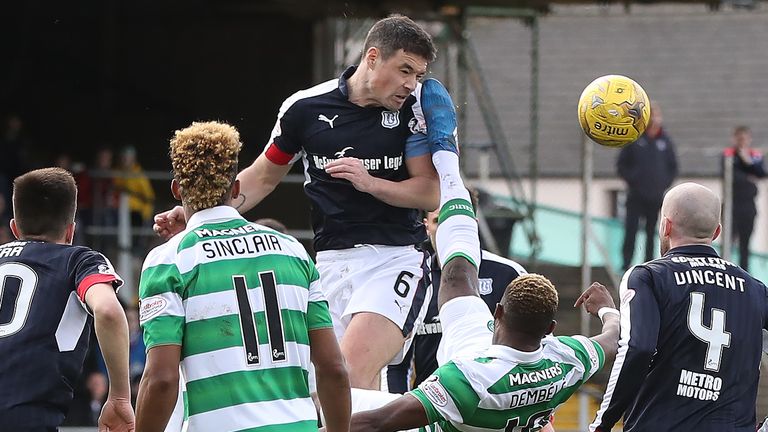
(506, 389)
(240, 299)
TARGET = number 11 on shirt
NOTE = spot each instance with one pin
(272, 317)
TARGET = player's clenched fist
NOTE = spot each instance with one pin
(594, 298)
(169, 223)
(117, 416)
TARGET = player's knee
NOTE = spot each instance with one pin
(458, 279)
(361, 376)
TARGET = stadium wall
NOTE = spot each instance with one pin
(706, 69)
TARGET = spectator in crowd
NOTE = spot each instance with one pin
(96, 197)
(137, 355)
(747, 170)
(648, 166)
(13, 141)
(90, 395)
(98, 386)
(141, 195)
(5, 230)
(64, 160)
(103, 189)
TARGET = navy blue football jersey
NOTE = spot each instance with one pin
(690, 347)
(44, 328)
(494, 275)
(319, 125)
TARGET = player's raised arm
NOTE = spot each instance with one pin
(258, 180)
(112, 332)
(639, 333)
(598, 302)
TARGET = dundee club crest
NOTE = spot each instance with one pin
(390, 119)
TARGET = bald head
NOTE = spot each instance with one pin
(694, 213)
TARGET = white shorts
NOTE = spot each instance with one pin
(467, 328)
(386, 280)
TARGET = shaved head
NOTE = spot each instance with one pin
(690, 214)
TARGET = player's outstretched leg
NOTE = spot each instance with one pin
(457, 233)
(440, 116)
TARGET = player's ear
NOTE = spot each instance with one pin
(236, 189)
(499, 311)
(551, 327)
(717, 232)
(69, 236)
(666, 226)
(15, 229)
(370, 57)
(176, 189)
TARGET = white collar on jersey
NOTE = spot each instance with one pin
(213, 214)
(506, 353)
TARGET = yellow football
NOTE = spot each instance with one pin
(614, 110)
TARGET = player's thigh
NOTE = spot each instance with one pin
(467, 328)
(337, 277)
(370, 342)
(385, 280)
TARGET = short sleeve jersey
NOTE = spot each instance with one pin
(319, 125)
(241, 300)
(690, 348)
(507, 388)
(44, 328)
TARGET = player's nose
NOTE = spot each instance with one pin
(410, 83)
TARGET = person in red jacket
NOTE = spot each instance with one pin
(747, 170)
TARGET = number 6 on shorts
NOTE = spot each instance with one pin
(401, 286)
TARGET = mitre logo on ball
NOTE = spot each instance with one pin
(614, 110)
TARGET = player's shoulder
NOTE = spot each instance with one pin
(291, 243)
(166, 252)
(500, 261)
(46, 252)
(473, 371)
(568, 348)
(316, 91)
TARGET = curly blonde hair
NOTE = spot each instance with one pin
(530, 303)
(204, 159)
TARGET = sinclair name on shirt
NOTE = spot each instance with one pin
(371, 164)
(247, 245)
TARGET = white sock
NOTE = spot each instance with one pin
(457, 230)
(451, 185)
(457, 237)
